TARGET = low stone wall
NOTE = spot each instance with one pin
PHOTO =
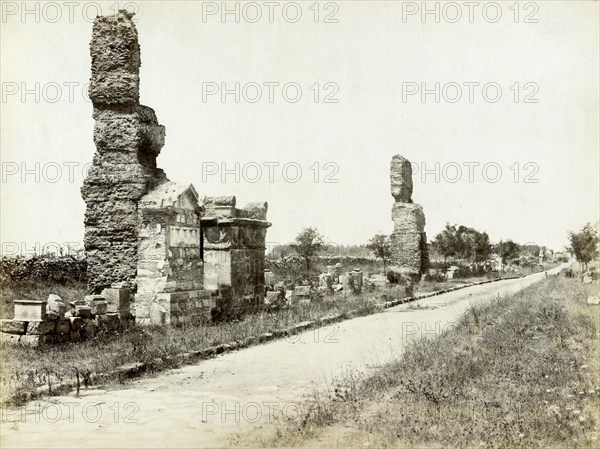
(38, 323)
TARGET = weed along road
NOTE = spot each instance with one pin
(215, 401)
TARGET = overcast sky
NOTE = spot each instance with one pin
(517, 113)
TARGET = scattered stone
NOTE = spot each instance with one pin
(118, 299)
(63, 326)
(9, 338)
(109, 322)
(76, 323)
(289, 294)
(269, 278)
(88, 299)
(326, 281)
(98, 307)
(83, 311)
(75, 336)
(13, 327)
(41, 327)
(302, 294)
(36, 341)
(26, 310)
(89, 329)
(593, 300)
(56, 306)
(272, 298)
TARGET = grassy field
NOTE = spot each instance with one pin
(518, 372)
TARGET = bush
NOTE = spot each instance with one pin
(57, 269)
(435, 277)
(394, 277)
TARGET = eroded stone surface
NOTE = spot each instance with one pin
(408, 240)
(234, 251)
(13, 327)
(401, 179)
(128, 139)
(169, 271)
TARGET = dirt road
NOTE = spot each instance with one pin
(214, 402)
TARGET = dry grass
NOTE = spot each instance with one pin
(519, 372)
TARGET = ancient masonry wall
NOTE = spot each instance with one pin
(408, 240)
(234, 252)
(170, 268)
(128, 139)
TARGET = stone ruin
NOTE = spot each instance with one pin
(182, 257)
(408, 240)
(128, 139)
(233, 246)
(147, 239)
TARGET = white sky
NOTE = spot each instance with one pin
(368, 54)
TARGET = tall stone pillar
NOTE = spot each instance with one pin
(128, 139)
(408, 240)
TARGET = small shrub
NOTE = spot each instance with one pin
(394, 277)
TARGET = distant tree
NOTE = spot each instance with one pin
(507, 250)
(482, 247)
(584, 245)
(381, 248)
(464, 243)
(446, 242)
(309, 242)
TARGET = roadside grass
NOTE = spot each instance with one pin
(516, 372)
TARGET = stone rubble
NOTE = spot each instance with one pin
(39, 323)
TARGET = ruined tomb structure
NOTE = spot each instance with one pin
(170, 269)
(234, 251)
(144, 233)
(128, 139)
(408, 240)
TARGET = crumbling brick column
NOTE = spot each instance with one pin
(128, 139)
(408, 240)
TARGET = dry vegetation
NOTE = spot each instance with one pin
(516, 372)
(26, 372)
